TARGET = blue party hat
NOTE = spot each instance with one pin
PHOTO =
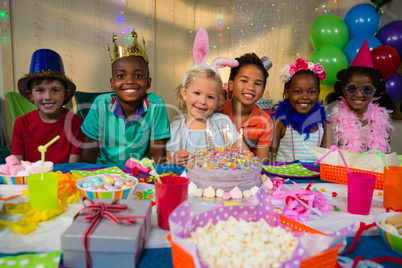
(45, 63)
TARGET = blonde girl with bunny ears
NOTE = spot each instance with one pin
(199, 95)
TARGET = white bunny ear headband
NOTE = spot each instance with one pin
(200, 54)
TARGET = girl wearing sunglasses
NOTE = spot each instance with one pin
(360, 119)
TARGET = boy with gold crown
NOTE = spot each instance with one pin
(128, 122)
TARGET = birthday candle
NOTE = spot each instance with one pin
(208, 137)
(212, 139)
(241, 140)
(224, 138)
(229, 138)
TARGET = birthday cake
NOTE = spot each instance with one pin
(220, 171)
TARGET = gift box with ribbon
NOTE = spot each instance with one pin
(107, 233)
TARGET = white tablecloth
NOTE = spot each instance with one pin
(47, 236)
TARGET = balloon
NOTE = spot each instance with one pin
(329, 30)
(324, 91)
(362, 19)
(394, 87)
(386, 60)
(391, 35)
(333, 60)
(380, 3)
(354, 45)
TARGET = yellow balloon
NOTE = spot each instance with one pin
(324, 91)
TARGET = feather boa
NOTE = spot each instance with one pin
(346, 128)
(302, 123)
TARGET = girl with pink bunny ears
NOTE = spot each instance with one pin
(199, 95)
(300, 119)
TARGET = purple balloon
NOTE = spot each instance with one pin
(394, 87)
(391, 34)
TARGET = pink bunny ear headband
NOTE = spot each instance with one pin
(200, 54)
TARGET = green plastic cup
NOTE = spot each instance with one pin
(43, 193)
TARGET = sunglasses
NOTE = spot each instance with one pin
(366, 90)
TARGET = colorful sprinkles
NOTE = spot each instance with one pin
(223, 158)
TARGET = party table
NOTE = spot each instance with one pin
(157, 252)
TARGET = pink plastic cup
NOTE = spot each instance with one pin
(360, 192)
(169, 194)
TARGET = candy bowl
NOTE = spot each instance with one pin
(11, 180)
(392, 239)
(22, 169)
(15, 179)
(107, 186)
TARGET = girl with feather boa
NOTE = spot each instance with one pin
(360, 119)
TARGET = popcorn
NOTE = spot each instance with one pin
(235, 243)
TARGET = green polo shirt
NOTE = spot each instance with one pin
(119, 138)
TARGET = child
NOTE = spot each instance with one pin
(360, 120)
(49, 89)
(128, 122)
(200, 95)
(247, 82)
(300, 120)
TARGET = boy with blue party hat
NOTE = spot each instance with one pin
(129, 122)
(47, 86)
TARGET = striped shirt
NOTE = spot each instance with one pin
(293, 146)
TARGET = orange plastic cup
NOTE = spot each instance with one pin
(393, 187)
(169, 195)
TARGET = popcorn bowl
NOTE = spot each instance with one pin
(315, 250)
(107, 194)
(393, 241)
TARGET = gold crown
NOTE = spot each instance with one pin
(130, 50)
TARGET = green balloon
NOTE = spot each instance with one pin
(333, 59)
(329, 30)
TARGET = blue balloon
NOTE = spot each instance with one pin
(353, 46)
(362, 19)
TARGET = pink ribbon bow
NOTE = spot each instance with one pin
(300, 204)
(96, 211)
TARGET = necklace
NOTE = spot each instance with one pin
(181, 133)
(291, 140)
